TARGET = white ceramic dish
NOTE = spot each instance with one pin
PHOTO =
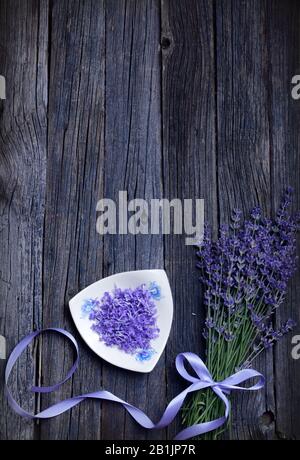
(162, 297)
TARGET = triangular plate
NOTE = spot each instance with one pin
(162, 297)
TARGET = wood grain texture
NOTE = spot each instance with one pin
(133, 164)
(189, 161)
(23, 151)
(243, 149)
(284, 113)
(73, 253)
(160, 98)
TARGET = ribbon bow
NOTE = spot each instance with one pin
(200, 381)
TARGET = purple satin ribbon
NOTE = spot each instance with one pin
(201, 380)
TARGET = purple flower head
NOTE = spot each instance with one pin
(256, 319)
(288, 326)
(262, 327)
(220, 329)
(236, 218)
(224, 230)
(205, 334)
(209, 323)
(236, 215)
(267, 342)
(228, 336)
(270, 336)
(229, 301)
(256, 213)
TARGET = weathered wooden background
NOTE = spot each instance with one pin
(171, 98)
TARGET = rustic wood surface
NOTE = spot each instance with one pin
(170, 98)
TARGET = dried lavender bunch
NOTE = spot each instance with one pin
(245, 275)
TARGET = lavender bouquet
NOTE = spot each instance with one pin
(245, 275)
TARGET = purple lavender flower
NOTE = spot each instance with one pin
(228, 336)
(236, 218)
(256, 213)
(220, 329)
(256, 319)
(127, 319)
(271, 336)
(229, 301)
(236, 215)
(205, 334)
(209, 323)
(288, 326)
(267, 342)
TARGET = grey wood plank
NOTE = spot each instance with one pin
(23, 127)
(73, 256)
(282, 32)
(243, 146)
(133, 163)
(189, 161)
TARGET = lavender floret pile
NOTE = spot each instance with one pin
(126, 318)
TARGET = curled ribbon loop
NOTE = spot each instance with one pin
(200, 381)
